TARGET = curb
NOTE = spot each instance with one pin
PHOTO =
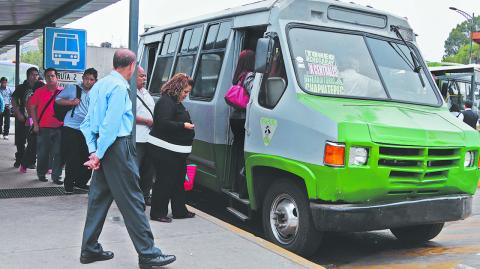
(259, 241)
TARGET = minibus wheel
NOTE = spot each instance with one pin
(417, 234)
(287, 220)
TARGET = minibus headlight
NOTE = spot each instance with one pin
(334, 154)
(358, 156)
(469, 159)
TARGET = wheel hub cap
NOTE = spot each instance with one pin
(284, 219)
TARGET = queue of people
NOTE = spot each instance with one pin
(91, 138)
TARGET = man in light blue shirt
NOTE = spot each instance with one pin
(2, 104)
(107, 128)
(74, 147)
(6, 93)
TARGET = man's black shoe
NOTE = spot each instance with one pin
(43, 179)
(58, 182)
(82, 189)
(161, 260)
(87, 257)
(148, 200)
(68, 191)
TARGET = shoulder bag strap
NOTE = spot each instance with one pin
(145, 105)
(48, 103)
(78, 96)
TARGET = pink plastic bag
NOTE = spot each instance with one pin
(190, 177)
(237, 97)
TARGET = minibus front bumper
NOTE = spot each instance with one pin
(378, 216)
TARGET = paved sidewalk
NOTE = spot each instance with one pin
(45, 232)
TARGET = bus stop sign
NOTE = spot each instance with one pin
(65, 49)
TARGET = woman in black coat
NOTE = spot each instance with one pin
(170, 143)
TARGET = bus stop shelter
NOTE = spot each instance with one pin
(23, 21)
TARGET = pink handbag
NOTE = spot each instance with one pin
(190, 177)
(237, 96)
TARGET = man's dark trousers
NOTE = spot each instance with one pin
(146, 169)
(117, 179)
(75, 154)
(30, 154)
(49, 145)
(5, 121)
(20, 140)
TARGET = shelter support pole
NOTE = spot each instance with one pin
(133, 46)
(17, 63)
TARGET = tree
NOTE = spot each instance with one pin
(459, 36)
(463, 54)
(34, 57)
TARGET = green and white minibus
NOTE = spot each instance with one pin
(345, 127)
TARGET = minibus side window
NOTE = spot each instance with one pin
(276, 73)
(148, 59)
(164, 63)
(188, 51)
(211, 59)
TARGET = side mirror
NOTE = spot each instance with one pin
(263, 54)
(274, 89)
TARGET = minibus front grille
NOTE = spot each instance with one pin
(418, 166)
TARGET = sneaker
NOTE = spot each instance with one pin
(22, 169)
(42, 179)
(5, 137)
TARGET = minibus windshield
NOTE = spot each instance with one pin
(341, 64)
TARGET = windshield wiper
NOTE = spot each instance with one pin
(416, 67)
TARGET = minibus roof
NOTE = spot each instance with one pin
(461, 68)
(262, 6)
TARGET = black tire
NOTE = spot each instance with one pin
(306, 239)
(417, 234)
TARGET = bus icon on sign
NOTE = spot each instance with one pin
(65, 48)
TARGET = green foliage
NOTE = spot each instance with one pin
(462, 56)
(34, 57)
(458, 37)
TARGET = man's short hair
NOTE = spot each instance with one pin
(122, 58)
(49, 70)
(91, 71)
(31, 69)
(3, 79)
(468, 104)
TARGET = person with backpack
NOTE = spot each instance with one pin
(47, 128)
(144, 122)
(71, 107)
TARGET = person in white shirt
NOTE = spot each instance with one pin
(144, 121)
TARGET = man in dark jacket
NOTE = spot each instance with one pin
(19, 103)
(470, 117)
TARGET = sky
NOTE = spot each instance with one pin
(431, 20)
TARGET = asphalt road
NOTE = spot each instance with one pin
(457, 246)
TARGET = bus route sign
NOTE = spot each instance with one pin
(65, 49)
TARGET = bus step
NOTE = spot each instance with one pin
(236, 196)
(238, 214)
